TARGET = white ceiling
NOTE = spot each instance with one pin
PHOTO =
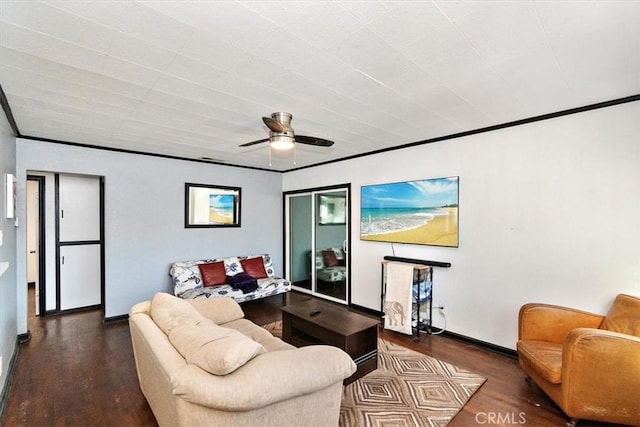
(193, 78)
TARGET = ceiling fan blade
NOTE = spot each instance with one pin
(274, 125)
(312, 140)
(248, 144)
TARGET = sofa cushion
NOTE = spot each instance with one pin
(329, 258)
(213, 348)
(219, 310)
(623, 316)
(259, 334)
(266, 287)
(545, 357)
(213, 273)
(168, 312)
(254, 267)
(324, 255)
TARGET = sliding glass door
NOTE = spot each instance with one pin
(300, 231)
(317, 245)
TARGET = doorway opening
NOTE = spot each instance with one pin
(36, 279)
(65, 242)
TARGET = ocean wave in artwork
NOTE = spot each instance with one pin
(382, 221)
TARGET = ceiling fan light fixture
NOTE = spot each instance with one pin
(282, 142)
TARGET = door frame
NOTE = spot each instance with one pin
(42, 277)
(59, 244)
(286, 247)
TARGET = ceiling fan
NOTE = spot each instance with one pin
(282, 137)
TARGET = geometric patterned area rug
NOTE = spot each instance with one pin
(407, 389)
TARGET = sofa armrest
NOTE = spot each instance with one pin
(552, 323)
(143, 307)
(268, 378)
(218, 310)
(601, 374)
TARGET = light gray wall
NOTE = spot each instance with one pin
(144, 216)
(549, 211)
(8, 315)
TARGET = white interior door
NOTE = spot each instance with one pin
(79, 208)
(79, 263)
(33, 240)
(79, 276)
(32, 232)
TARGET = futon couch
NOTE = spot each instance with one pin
(189, 283)
(330, 265)
(200, 363)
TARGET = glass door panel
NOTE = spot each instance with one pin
(300, 240)
(317, 242)
(330, 226)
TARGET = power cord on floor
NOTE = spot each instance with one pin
(441, 310)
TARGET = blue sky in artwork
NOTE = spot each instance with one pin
(426, 193)
(221, 201)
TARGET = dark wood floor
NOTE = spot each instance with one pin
(75, 371)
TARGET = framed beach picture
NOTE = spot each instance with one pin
(211, 206)
(423, 212)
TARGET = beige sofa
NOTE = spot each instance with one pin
(257, 379)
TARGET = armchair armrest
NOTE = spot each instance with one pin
(552, 323)
(601, 375)
(266, 379)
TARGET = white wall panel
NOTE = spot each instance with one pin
(11, 323)
(549, 211)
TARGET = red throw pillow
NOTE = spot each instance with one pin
(213, 273)
(254, 267)
(329, 258)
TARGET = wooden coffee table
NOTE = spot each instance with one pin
(334, 325)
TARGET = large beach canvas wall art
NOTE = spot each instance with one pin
(423, 212)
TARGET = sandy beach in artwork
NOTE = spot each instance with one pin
(442, 231)
(216, 218)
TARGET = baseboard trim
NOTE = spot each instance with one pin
(479, 343)
(11, 371)
(22, 338)
(115, 319)
(476, 342)
(366, 310)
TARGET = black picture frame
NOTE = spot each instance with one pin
(211, 206)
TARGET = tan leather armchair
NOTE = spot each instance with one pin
(588, 364)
